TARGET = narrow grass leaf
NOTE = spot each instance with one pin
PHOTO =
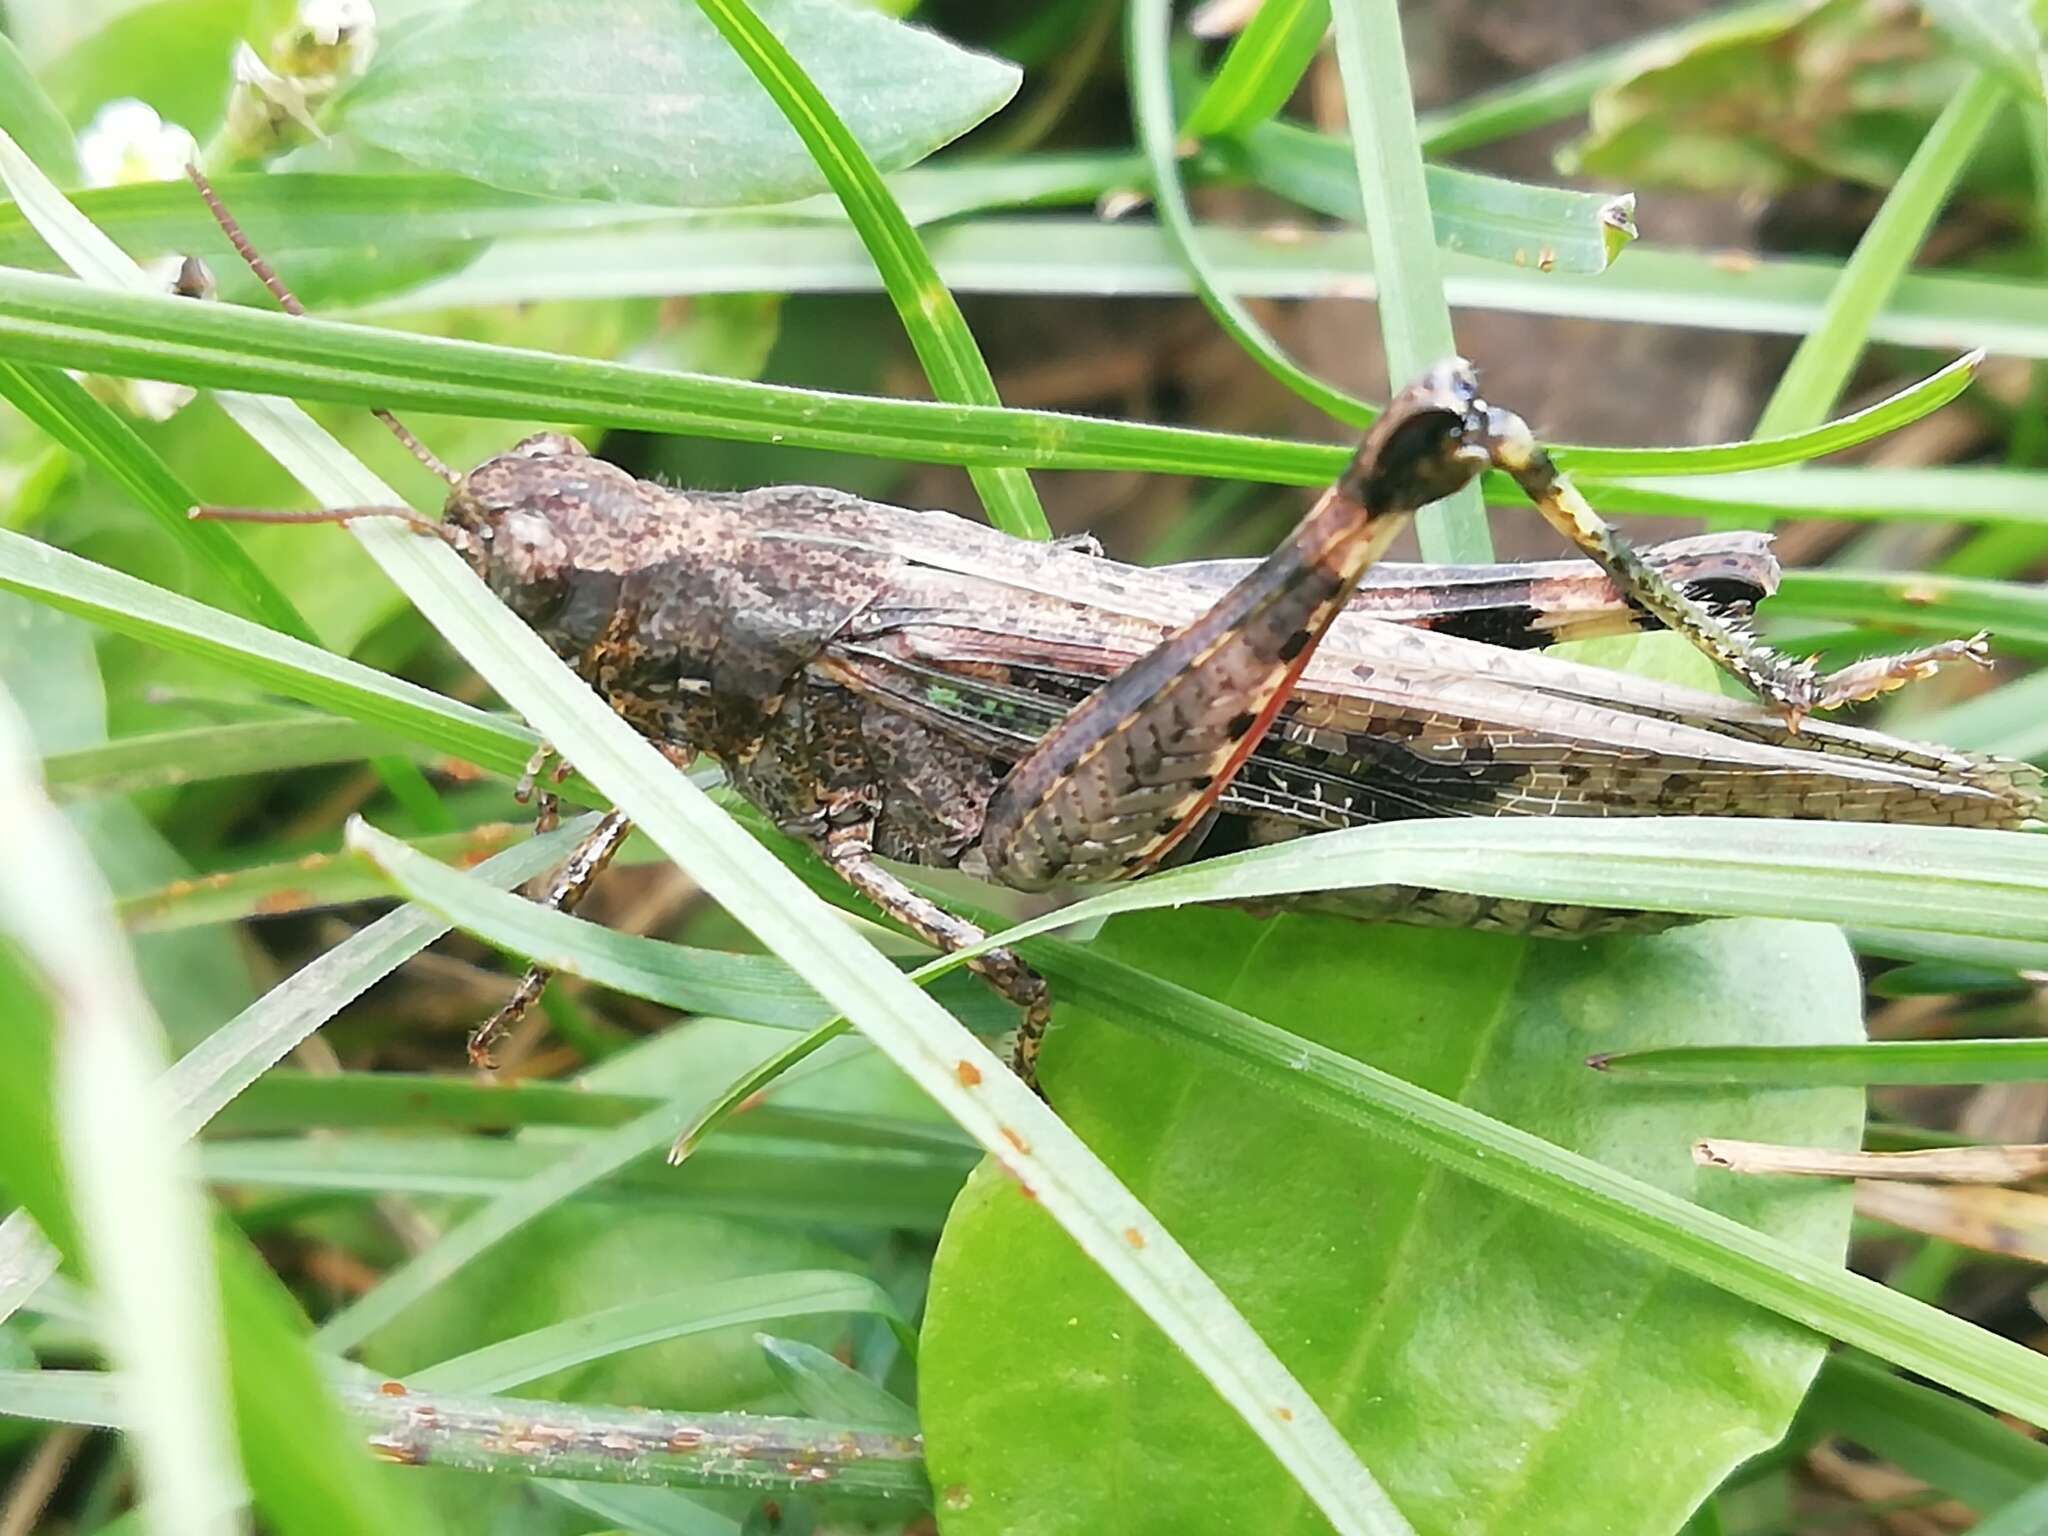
(130, 765)
(62, 406)
(827, 1389)
(1150, 24)
(1929, 1433)
(1879, 1061)
(141, 1217)
(50, 320)
(1414, 319)
(1828, 354)
(1260, 71)
(227, 1061)
(261, 656)
(938, 331)
(674, 1314)
(32, 120)
(1544, 229)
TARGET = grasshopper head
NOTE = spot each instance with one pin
(519, 519)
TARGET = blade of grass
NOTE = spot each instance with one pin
(1414, 319)
(1828, 355)
(693, 1309)
(773, 1178)
(1878, 1061)
(52, 320)
(756, 989)
(1148, 32)
(33, 120)
(60, 405)
(528, 1438)
(1551, 229)
(1949, 880)
(1929, 1433)
(262, 656)
(142, 1222)
(938, 331)
(2016, 613)
(823, 1386)
(2024, 1516)
(1260, 71)
(167, 759)
(305, 882)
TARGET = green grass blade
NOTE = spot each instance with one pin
(2016, 613)
(2024, 1516)
(931, 316)
(1149, 29)
(1879, 1061)
(307, 882)
(283, 1103)
(1260, 71)
(32, 120)
(261, 656)
(830, 1390)
(1548, 229)
(700, 1308)
(1946, 493)
(166, 759)
(1414, 320)
(1948, 880)
(755, 988)
(1929, 1433)
(1828, 355)
(61, 406)
(142, 1222)
(50, 320)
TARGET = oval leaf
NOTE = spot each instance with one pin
(643, 101)
(1498, 1372)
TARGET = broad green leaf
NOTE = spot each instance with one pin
(641, 101)
(1496, 1365)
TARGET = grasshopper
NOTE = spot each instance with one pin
(904, 686)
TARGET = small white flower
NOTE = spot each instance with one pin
(128, 142)
(330, 40)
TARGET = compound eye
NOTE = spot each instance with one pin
(549, 445)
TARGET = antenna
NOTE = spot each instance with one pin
(452, 536)
(289, 303)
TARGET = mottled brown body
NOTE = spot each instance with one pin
(910, 686)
